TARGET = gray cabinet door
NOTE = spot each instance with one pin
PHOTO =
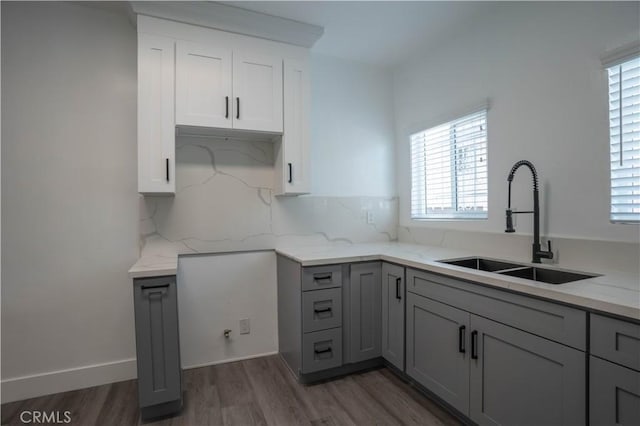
(437, 349)
(614, 394)
(365, 309)
(157, 341)
(393, 298)
(519, 378)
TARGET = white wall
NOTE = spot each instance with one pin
(214, 293)
(352, 129)
(538, 64)
(68, 194)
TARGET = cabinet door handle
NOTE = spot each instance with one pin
(237, 108)
(319, 311)
(325, 277)
(167, 168)
(226, 107)
(290, 172)
(461, 339)
(323, 351)
(398, 295)
(474, 344)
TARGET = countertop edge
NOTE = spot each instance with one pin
(154, 266)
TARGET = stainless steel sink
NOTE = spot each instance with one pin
(519, 270)
(549, 276)
(482, 264)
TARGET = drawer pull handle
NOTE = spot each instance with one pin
(398, 295)
(461, 333)
(323, 351)
(226, 107)
(474, 344)
(166, 162)
(145, 287)
(237, 108)
(324, 277)
(319, 311)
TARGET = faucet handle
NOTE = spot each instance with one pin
(549, 252)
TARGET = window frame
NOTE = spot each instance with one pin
(617, 59)
(454, 214)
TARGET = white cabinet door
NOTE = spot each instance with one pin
(292, 154)
(203, 85)
(156, 124)
(257, 91)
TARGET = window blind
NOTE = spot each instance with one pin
(624, 132)
(449, 170)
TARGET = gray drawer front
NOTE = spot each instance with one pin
(318, 277)
(321, 350)
(555, 322)
(321, 309)
(615, 340)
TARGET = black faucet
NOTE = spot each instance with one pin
(537, 254)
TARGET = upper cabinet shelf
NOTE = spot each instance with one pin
(209, 81)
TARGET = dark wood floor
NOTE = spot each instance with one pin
(260, 391)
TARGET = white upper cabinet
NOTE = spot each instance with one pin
(292, 175)
(203, 85)
(215, 83)
(156, 125)
(227, 89)
(257, 91)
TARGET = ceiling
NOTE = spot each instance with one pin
(384, 33)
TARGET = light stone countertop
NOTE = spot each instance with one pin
(613, 292)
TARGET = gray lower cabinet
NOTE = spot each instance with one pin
(157, 346)
(519, 378)
(492, 373)
(365, 305)
(614, 394)
(393, 314)
(614, 372)
(310, 317)
(437, 355)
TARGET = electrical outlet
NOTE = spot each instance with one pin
(370, 217)
(245, 327)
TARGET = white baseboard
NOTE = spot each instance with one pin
(35, 385)
(227, 360)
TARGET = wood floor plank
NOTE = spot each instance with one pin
(258, 392)
(319, 404)
(201, 399)
(120, 405)
(395, 400)
(432, 407)
(362, 409)
(278, 404)
(233, 384)
(243, 415)
(12, 410)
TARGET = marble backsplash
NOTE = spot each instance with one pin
(224, 202)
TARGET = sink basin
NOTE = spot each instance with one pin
(482, 264)
(534, 273)
(549, 276)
